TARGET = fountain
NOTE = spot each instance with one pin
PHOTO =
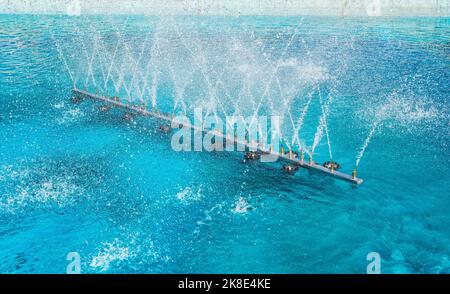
(236, 78)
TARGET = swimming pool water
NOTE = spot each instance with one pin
(74, 179)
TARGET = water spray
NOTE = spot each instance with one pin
(212, 82)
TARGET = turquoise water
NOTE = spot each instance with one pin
(75, 179)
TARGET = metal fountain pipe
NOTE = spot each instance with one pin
(282, 157)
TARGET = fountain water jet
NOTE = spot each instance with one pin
(366, 143)
(322, 124)
(261, 81)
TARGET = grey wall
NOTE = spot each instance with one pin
(237, 7)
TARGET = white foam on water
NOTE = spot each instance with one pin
(241, 206)
(216, 209)
(59, 105)
(113, 251)
(188, 194)
(132, 247)
(70, 116)
(8, 172)
(58, 190)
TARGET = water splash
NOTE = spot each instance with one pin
(237, 76)
(188, 195)
(70, 115)
(113, 251)
(62, 56)
(323, 126)
(241, 206)
(48, 191)
(366, 143)
(398, 111)
(301, 119)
